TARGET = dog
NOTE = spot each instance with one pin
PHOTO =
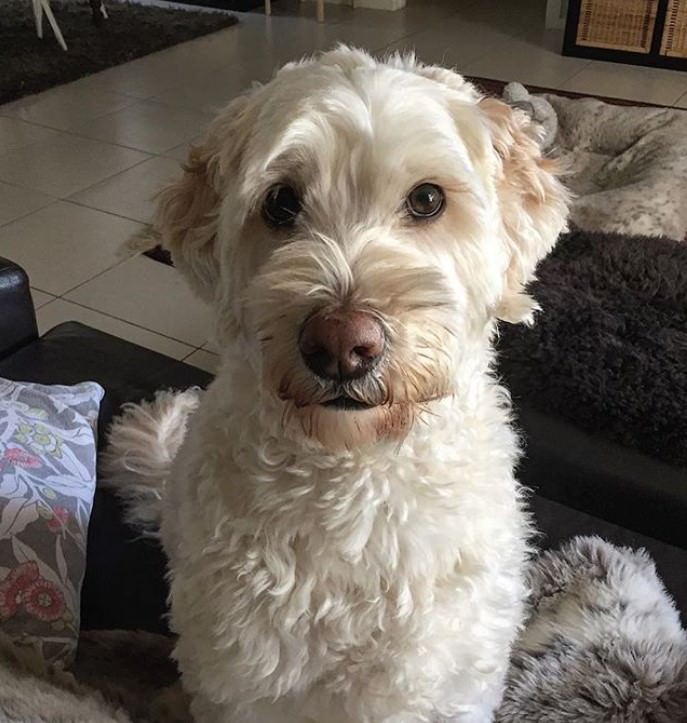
(345, 535)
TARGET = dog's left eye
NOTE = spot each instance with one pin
(425, 201)
(281, 206)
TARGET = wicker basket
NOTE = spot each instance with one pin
(618, 24)
(674, 40)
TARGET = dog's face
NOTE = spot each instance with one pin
(359, 226)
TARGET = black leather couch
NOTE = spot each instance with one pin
(581, 485)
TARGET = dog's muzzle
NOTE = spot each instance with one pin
(342, 346)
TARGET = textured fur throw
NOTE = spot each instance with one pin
(119, 677)
(603, 644)
(627, 165)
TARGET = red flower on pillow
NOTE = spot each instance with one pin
(10, 598)
(13, 586)
(59, 519)
(24, 574)
(20, 458)
(43, 600)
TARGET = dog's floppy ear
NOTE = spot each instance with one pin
(187, 219)
(532, 201)
(188, 208)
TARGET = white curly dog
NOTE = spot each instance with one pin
(346, 538)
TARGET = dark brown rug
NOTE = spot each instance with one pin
(29, 65)
(609, 350)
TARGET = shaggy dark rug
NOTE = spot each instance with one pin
(608, 352)
(30, 65)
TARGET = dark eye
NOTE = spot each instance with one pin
(425, 201)
(281, 206)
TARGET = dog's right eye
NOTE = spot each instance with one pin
(281, 206)
(425, 201)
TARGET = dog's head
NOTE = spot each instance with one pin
(359, 226)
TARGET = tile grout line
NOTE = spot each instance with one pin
(112, 175)
(428, 28)
(574, 75)
(79, 204)
(81, 190)
(682, 95)
(75, 105)
(52, 202)
(43, 291)
(96, 276)
(63, 295)
(125, 321)
(57, 199)
(74, 134)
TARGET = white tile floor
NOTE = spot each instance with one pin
(79, 163)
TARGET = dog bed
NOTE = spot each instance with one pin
(608, 351)
(603, 643)
(626, 165)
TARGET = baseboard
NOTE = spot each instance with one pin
(372, 4)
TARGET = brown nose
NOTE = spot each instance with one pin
(342, 345)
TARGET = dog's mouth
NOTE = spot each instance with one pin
(346, 404)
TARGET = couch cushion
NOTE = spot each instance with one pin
(18, 318)
(124, 584)
(602, 478)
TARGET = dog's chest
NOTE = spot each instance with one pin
(304, 568)
(374, 541)
(341, 574)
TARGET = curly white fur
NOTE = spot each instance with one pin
(358, 566)
(141, 446)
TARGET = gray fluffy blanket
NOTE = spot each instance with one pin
(603, 644)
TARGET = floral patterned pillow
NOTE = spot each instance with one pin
(47, 481)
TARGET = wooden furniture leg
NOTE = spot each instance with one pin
(38, 17)
(43, 6)
(319, 11)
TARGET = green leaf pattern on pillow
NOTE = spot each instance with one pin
(47, 482)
